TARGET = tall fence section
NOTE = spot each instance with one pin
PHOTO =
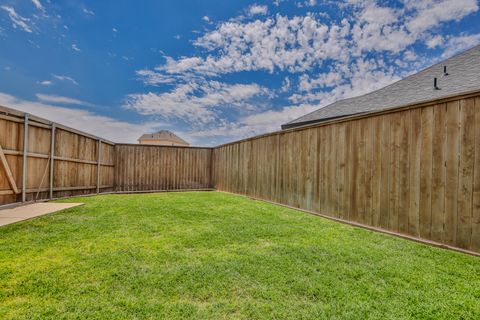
(413, 170)
(153, 168)
(40, 160)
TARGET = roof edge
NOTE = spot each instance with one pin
(419, 104)
(391, 84)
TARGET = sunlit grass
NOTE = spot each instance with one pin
(210, 255)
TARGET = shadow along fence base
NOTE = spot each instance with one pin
(413, 170)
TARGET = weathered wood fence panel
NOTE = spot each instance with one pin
(71, 171)
(414, 171)
(149, 168)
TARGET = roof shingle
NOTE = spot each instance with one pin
(463, 75)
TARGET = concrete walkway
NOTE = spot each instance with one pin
(29, 211)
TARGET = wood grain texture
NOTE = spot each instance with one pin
(425, 177)
(439, 141)
(8, 172)
(465, 173)
(145, 168)
(452, 149)
(74, 170)
(475, 242)
(414, 171)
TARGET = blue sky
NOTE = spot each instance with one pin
(214, 71)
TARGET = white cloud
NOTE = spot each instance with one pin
(89, 122)
(17, 20)
(435, 41)
(430, 13)
(348, 81)
(256, 9)
(182, 65)
(247, 126)
(206, 18)
(37, 4)
(277, 2)
(74, 47)
(286, 85)
(64, 78)
(60, 99)
(276, 43)
(88, 12)
(308, 3)
(379, 29)
(410, 55)
(153, 78)
(329, 79)
(461, 43)
(321, 59)
(45, 82)
(114, 30)
(196, 102)
(300, 43)
(271, 120)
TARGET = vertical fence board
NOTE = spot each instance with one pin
(145, 168)
(385, 145)
(439, 172)
(414, 151)
(403, 146)
(475, 242)
(413, 171)
(425, 200)
(377, 171)
(452, 155)
(465, 178)
(59, 161)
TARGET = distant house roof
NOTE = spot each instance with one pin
(163, 135)
(463, 75)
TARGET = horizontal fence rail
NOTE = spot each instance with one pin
(413, 170)
(42, 160)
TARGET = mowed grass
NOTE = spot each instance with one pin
(208, 255)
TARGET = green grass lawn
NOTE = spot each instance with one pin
(210, 255)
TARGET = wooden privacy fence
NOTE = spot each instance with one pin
(59, 161)
(150, 168)
(415, 171)
(40, 160)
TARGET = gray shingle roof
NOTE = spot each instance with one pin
(463, 76)
(163, 135)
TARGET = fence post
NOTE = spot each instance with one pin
(52, 158)
(25, 158)
(98, 164)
